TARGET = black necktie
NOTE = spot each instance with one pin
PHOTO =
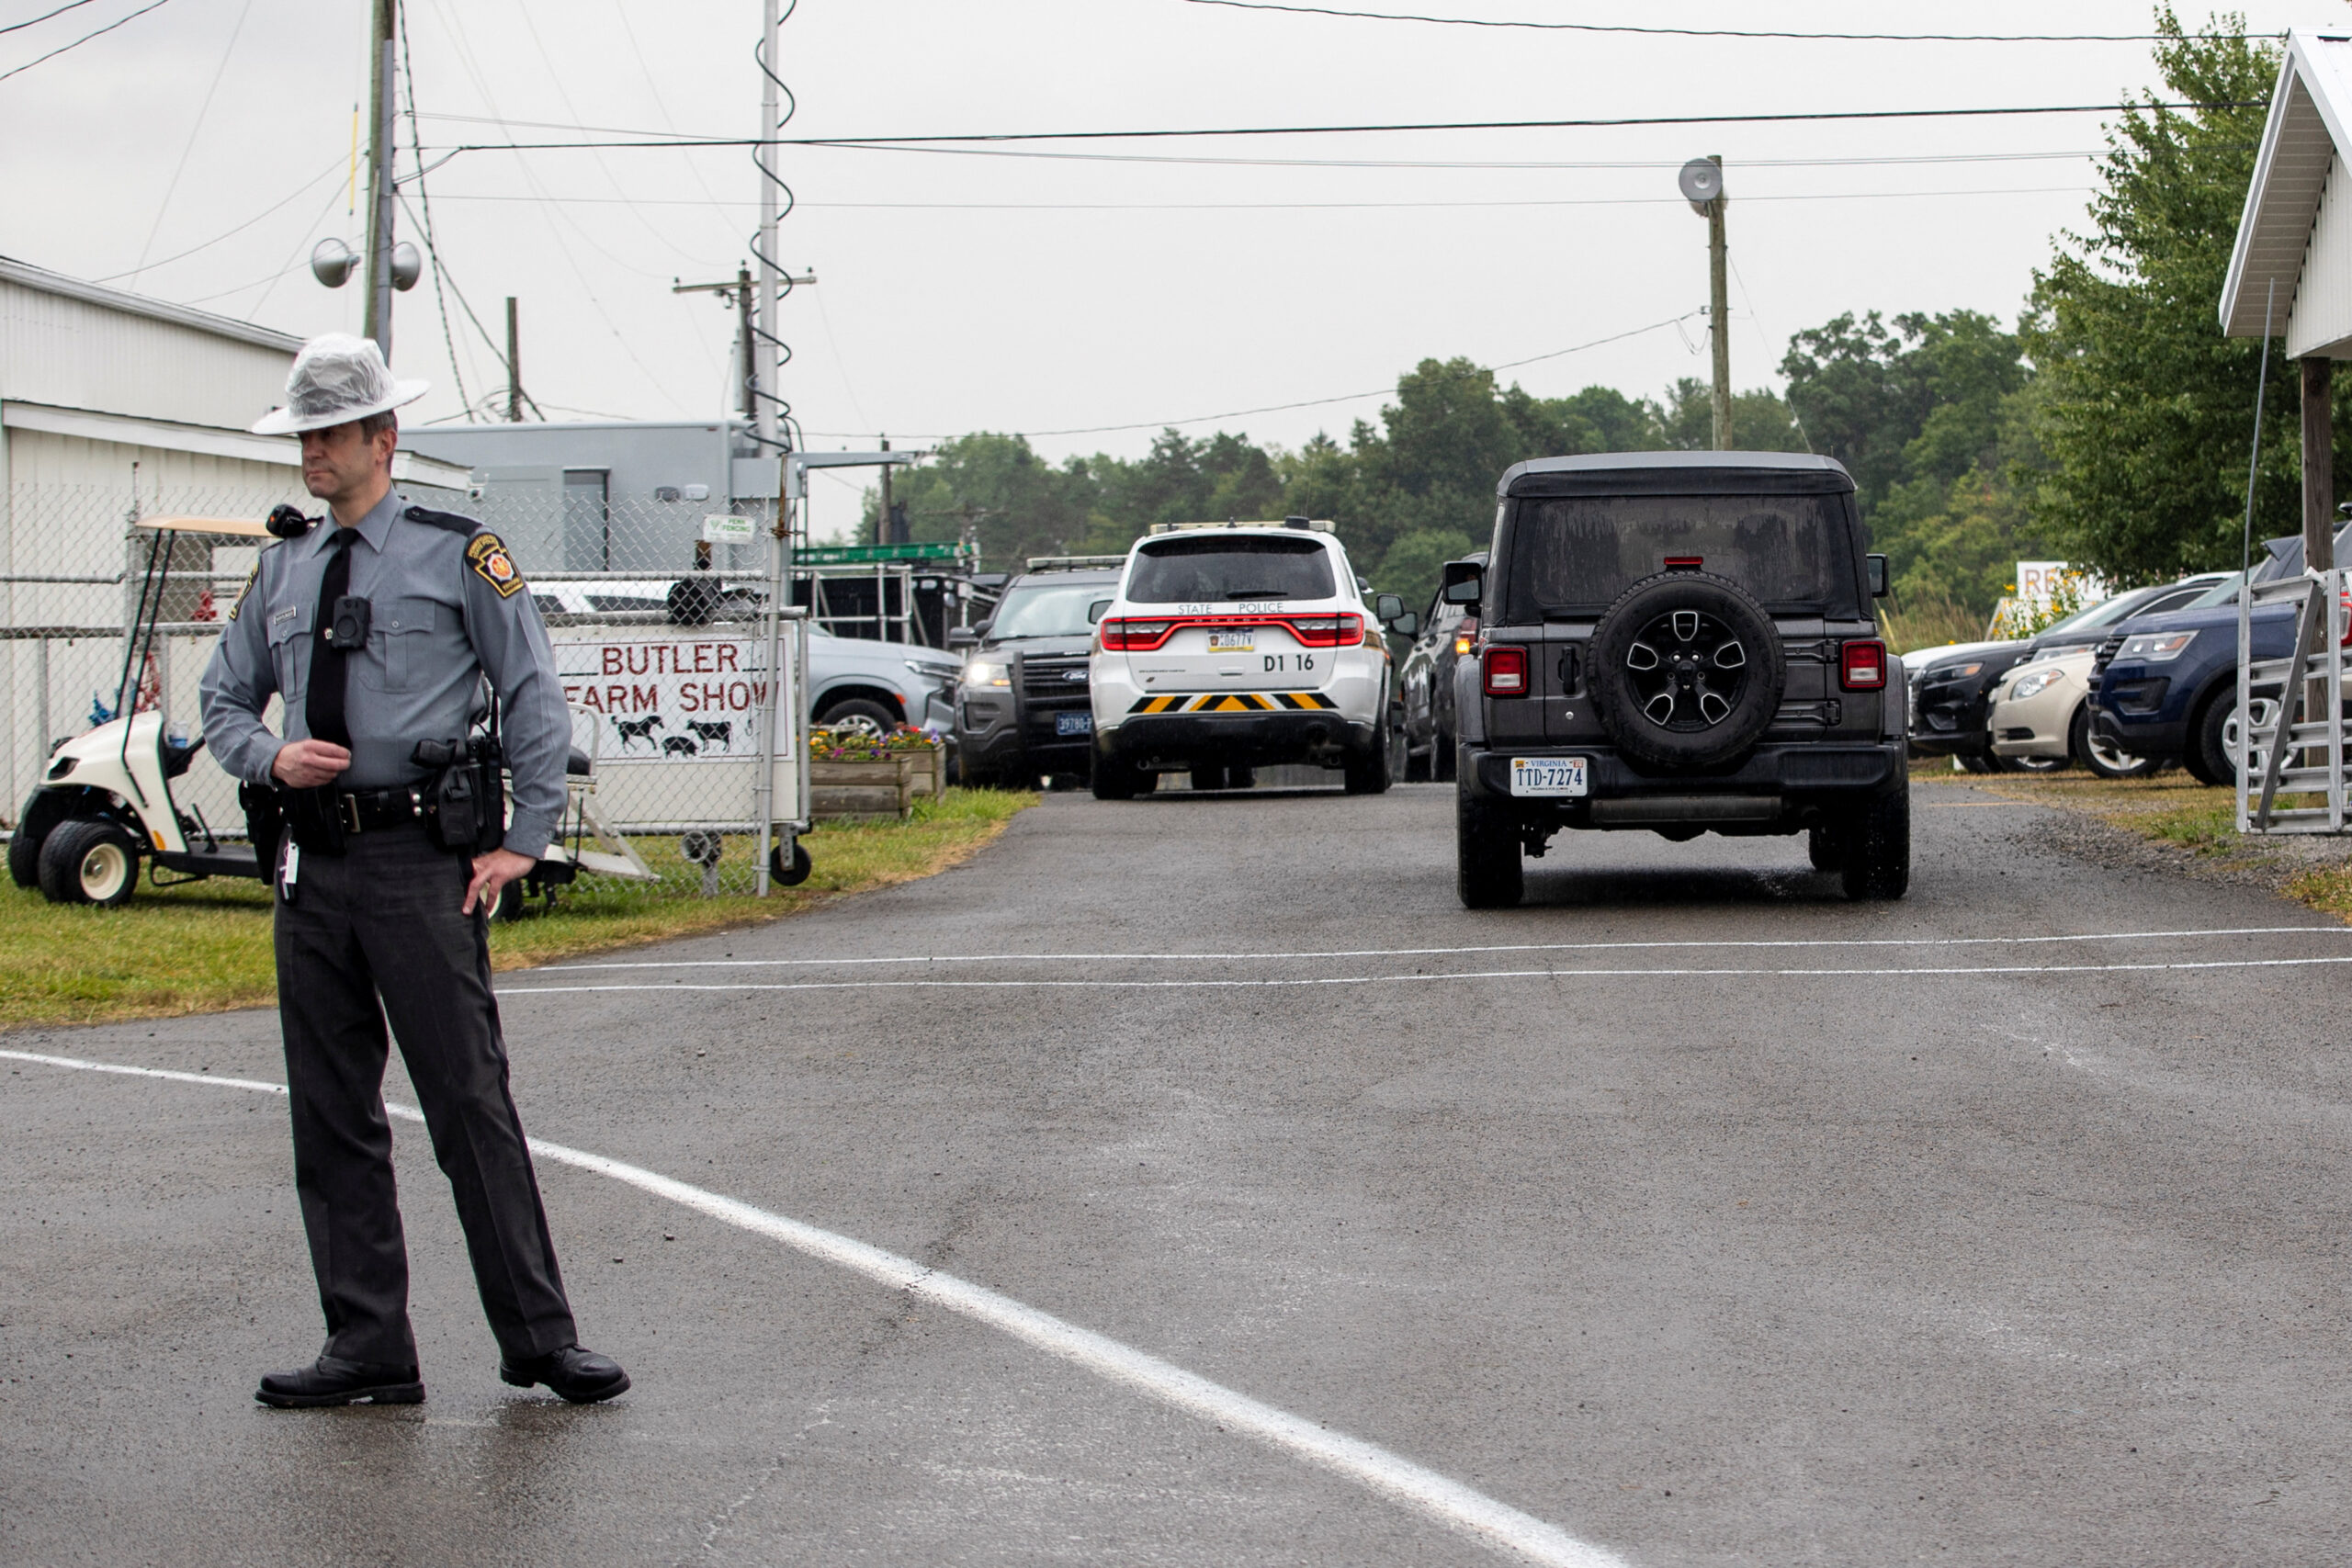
(322, 709)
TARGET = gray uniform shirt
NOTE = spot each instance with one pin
(448, 610)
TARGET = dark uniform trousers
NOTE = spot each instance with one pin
(382, 920)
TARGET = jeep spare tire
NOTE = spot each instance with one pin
(1687, 670)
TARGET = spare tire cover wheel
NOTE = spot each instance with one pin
(1687, 670)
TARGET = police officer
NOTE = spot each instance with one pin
(378, 629)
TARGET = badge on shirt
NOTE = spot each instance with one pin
(492, 564)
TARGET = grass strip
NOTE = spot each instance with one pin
(205, 947)
(2173, 808)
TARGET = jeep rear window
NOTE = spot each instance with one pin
(1572, 555)
(1218, 568)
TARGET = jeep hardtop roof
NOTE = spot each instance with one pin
(1655, 473)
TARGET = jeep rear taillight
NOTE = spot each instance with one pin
(1504, 671)
(1861, 665)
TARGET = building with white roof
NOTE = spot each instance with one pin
(2290, 273)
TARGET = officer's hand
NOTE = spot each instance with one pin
(492, 871)
(307, 764)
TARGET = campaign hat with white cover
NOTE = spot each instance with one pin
(335, 379)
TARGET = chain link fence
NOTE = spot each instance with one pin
(661, 636)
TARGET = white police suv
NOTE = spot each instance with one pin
(1231, 646)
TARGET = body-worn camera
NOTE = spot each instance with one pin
(347, 625)
(287, 523)
(465, 800)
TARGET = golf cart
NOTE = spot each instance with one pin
(106, 801)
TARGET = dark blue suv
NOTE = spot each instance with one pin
(2165, 687)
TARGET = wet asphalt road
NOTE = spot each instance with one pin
(1854, 1268)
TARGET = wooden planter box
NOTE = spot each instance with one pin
(879, 791)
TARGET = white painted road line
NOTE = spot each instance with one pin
(1447, 1502)
(1433, 951)
(675, 985)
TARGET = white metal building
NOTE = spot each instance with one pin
(114, 406)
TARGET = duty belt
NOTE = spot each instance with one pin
(372, 810)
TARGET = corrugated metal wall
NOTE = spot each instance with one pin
(79, 354)
(2322, 319)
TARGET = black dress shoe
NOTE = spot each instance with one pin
(580, 1376)
(331, 1379)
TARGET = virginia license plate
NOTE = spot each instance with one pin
(1233, 642)
(1548, 775)
(1073, 724)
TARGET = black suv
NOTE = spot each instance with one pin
(1023, 706)
(1683, 642)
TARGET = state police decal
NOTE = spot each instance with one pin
(491, 563)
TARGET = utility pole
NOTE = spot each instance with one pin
(382, 100)
(1701, 182)
(1719, 311)
(892, 530)
(514, 365)
(738, 295)
(760, 345)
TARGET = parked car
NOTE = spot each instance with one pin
(1241, 645)
(1951, 698)
(2040, 712)
(1023, 708)
(2166, 684)
(859, 683)
(1680, 642)
(1425, 684)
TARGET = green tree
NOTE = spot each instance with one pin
(1015, 503)
(2145, 406)
(1760, 421)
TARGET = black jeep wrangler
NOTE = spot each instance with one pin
(1683, 642)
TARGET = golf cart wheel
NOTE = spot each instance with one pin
(2030, 765)
(510, 903)
(789, 873)
(44, 809)
(89, 861)
(2104, 758)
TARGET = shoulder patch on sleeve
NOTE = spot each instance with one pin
(490, 562)
(450, 519)
(246, 591)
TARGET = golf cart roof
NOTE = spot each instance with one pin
(244, 526)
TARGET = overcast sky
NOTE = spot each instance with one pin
(1130, 283)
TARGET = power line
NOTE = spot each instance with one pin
(187, 143)
(36, 21)
(296, 195)
(1547, 163)
(1352, 397)
(64, 47)
(1282, 206)
(1703, 32)
(927, 143)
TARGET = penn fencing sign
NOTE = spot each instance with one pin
(657, 697)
